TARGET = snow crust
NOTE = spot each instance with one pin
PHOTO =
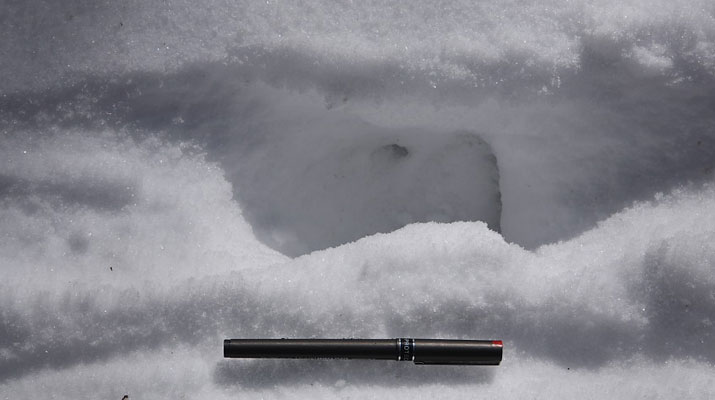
(173, 174)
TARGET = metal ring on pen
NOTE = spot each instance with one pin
(406, 349)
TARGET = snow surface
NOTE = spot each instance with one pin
(173, 174)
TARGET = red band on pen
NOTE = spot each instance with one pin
(497, 343)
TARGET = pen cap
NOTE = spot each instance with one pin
(458, 352)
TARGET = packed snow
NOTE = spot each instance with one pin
(173, 174)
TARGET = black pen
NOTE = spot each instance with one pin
(421, 351)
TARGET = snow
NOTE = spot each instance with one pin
(172, 175)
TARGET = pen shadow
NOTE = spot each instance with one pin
(270, 373)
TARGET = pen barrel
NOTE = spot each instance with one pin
(373, 349)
